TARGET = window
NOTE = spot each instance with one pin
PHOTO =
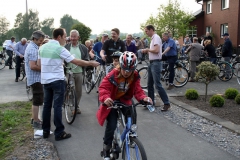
(192, 32)
(209, 7)
(209, 29)
(225, 4)
(224, 29)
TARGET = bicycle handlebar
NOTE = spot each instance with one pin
(118, 104)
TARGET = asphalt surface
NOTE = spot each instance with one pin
(161, 138)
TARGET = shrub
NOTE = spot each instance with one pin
(237, 99)
(216, 101)
(191, 94)
(231, 93)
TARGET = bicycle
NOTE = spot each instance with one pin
(180, 79)
(70, 99)
(93, 77)
(127, 142)
(238, 76)
(22, 71)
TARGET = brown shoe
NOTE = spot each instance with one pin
(78, 111)
(170, 86)
(165, 107)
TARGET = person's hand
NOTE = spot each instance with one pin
(148, 99)
(94, 63)
(21, 56)
(108, 102)
(103, 57)
(91, 55)
(146, 50)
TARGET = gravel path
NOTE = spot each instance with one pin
(206, 129)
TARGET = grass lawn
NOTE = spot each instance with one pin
(14, 126)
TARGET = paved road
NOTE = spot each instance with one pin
(162, 139)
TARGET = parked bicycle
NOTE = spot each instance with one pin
(126, 142)
(22, 71)
(2, 60)
(180, 79)
(70, 99)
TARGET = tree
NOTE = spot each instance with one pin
(170, 18)
(4, 24)
(207, 72)
(26, 24)
(83, 30)
(67, 22)
(47, 26)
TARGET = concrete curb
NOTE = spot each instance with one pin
(226, 124)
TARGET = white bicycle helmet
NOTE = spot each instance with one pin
(128, 61)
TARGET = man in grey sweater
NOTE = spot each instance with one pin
(195, 51)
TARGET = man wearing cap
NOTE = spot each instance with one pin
(9, 49)
(20, 48)
(112, 45)
(227, 50)
(79, 51)
(98, 46)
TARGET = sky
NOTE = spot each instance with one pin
(99, 15)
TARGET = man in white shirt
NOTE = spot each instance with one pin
(9, 50)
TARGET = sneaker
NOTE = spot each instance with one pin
(170, 86)
(63, 136)
(165, 107)
(106, 152)
(37, 125)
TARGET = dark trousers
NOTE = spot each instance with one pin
(111, 126)
(171, 61)
(19, 60)
(53, 95)
(9, 60)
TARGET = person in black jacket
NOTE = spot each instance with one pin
(210, 51)
(227, 49)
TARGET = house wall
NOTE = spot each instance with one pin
(219, 16)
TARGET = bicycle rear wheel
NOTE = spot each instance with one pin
(2, 63)
(29, 91)
(88, 81)
(226, 72)
(135, 149)
(181, 77)
(22, 73)
(143, 72)
(70, 105)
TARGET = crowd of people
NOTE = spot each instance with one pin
(46, 57)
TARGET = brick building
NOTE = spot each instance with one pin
(218, 17)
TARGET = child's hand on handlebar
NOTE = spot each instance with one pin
(108, 102)
(148, 100)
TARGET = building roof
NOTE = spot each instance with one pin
(198, 13)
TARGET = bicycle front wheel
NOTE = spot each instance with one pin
(70, 105)
(22, 74)
(181, 76)
(236, 66)
(238, 76)
(134, 150)
(226, 72)
(2, 63)
(143, 72)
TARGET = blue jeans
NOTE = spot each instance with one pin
(154, 75)
(53, 95)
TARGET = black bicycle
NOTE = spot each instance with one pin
(180, 79)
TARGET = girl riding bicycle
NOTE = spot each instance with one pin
(122, 83)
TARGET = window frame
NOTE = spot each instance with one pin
(224, 3)
(224, 29)
(209, 9)
(209, 29)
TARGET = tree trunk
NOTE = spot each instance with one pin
(206, 92)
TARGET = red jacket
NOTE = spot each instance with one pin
(108, 89)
